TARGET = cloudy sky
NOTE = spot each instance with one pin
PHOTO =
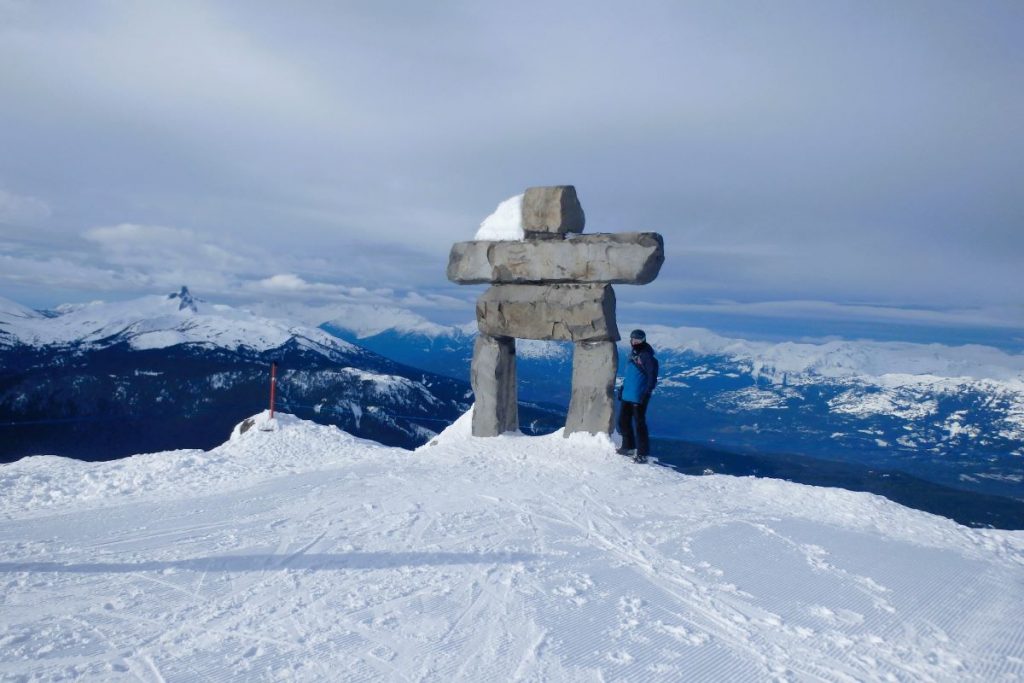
(814, 165)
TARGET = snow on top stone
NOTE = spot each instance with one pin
(506, 223)
(303, 553)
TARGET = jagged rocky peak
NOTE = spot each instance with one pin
(187, 301)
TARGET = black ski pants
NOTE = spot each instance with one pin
(630, 413)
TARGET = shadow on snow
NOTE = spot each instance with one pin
(256, 563)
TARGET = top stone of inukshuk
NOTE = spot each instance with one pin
(553, 284)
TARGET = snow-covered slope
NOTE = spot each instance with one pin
(368, 320)
(155, 322)
(359, 320)
(845, 359)
(11, 311)
(914, 398)
(176, 371)
(303, 553)
(14, 316)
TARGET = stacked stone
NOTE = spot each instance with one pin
(555, 284)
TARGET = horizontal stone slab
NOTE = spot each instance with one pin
(552, 211)
(557, 312)
(632, 258)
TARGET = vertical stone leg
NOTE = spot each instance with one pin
(592, 404)
(493, 376)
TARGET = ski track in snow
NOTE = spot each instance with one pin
(322, 557)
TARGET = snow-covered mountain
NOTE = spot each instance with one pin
(847, 358)
(302, 553)
(157, 322)
(175, 371)
(14, 316)
(954, 414)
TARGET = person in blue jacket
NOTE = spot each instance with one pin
(639, 378)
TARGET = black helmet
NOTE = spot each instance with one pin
(638, 334)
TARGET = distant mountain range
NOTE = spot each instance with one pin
(104, 380)
(109, 379)
(949, 414)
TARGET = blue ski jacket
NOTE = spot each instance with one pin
(639, 375)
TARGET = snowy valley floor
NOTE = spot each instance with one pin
(303, 553)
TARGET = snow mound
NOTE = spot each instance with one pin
(506, 223)
(302, 553)
(271, 448)
(460, 434)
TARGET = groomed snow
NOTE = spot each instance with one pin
(297, 552)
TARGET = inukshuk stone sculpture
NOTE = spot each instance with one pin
(554, 284)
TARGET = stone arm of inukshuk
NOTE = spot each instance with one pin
(555, 284)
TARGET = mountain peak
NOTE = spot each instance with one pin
(187, 300)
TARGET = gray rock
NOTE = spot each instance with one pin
(493, 376)
(617, 258)
(552, 211)
(592, 404)
(559, 312)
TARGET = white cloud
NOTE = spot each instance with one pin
(995, 316)
(162, 249)
(293, 286)
(429, 300)
(158, 60)
(365, 317)
(285, 282)
(65, 273)
(779, 158)
(289, 283)
(15, 208)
